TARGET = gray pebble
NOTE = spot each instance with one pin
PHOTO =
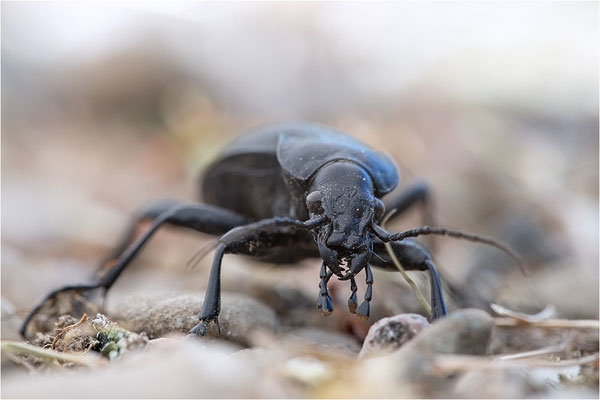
(160, 314)
(466, 331)
(389, 334)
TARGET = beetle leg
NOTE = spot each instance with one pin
(414, 257)
(200, 217)
(363, 309)
(252, 239)
(438, 307)
(352, 300)
(147, 214)
(212, 299)
(324, 302)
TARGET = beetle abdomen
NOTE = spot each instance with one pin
(249, 184)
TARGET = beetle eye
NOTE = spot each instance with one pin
(314, 202)
(379, 210)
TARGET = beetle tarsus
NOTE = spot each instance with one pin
(363, 310)
(326, 306)
(353, 301)
(201, 329)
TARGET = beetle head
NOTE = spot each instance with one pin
(342, 192)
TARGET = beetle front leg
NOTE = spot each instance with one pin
(413, 257)
(324, 302)
(364, 309)
(146, 215)
(212, 300)
(253, 239)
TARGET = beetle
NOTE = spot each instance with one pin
(285, 192)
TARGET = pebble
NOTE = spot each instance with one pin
(160, 314)
(465, 331)
(389, 334)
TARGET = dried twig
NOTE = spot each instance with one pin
(514, 319)
(66, 329)
(509, 322)
(51, 355)
(561, 348)
(546, 313)
(534, 353)
(445, 364)
(390, 250)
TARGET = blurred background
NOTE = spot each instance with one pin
(107, 106)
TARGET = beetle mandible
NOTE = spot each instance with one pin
(287, 192)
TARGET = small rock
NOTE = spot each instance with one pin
(160, 314)
(389, 334)
(115, 341)
(67, 336)
(466, 331)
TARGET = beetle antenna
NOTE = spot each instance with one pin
(200, 254)
(427, 230)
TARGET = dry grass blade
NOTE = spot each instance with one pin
(514, 319)
(534, 353)
(446, 364)
(561, 348)
(546, 313)
(412, 284)
(51, 355)
(509, 322)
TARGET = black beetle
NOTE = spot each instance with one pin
(286, 192)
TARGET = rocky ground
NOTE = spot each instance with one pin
(141, 349)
